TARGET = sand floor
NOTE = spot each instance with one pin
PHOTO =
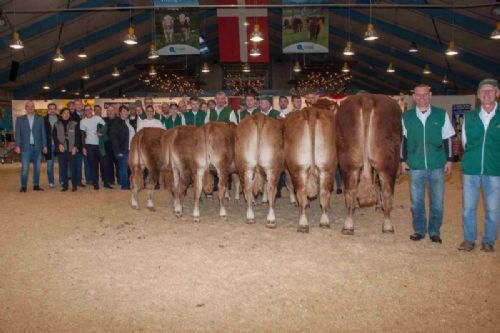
(87, 262)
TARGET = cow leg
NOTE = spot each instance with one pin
(222, 190)
(150, 183)
(265, 198)
(237, 186)
(272, 184)
(177, 195)
(134, 182)
(289, 186)
(302, 198)
(325, 183)
(350, 183)
(387, 189)
(248, 193)
(197, 187)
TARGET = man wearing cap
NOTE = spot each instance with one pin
(266, 107)
(426, 154)
(194, 116)
(174, 118)
(221, 112)
(250, 108)
(481, 167)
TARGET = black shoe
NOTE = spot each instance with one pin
(37, 188)
(81, 185)
(339, 191)
(157, 186)
(74, 189)
(23, 189)
(487, 247)
(96, 187)
(436, 239)
(416, 237)
(106, 185)
(64, 189)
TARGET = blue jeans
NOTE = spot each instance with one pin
(123, 171)
(419, 179)
(50, 166)
(491, 190)
(27, 156)
(80, 158)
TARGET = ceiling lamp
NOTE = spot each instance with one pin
(16, 43)
(63, 90)
(452, 49)
(245, 68)
(349, 51)
(205, 68)
(46, 86)
(246, 24)
(297, 68)
(115, 72)
(130, 37)
(153, 53)
(85, 74)
(413, 48)
(256, 35)
(255, 52)
(370, 33)
(81, 54)
(427, 70)
(58, 56)
(77, 93)
(152, 70)
(390, 68)
(445, 80)
(346, 68)
(496, 33)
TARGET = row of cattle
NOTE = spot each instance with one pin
(362, 137)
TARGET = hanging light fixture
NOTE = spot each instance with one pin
(346, 68)
(427, 70)
(246, 24)
(495, 34)
(77, 93)
(58, 56)
(16, 43)
(115, 72)
(245, 68)
(390, 68)
(297, 68)
(205, 68)
(413, 48)
(348, 50)
(152, 70)
(63, 90)
(445, 79)
(85, 74)
(256, 35)
(86, 95)
(81, 54)
(255, 51)
(153, 53)
(452, 49)
(370, 33)
(46, 86)
(130, 37)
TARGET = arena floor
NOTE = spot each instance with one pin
(87, 262)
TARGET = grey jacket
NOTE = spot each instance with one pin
(22, 135)
(71, 134)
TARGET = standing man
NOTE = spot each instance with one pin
(250, 108)
(283, 102)
(110, 164)
(31, 141)
(173, 118)
(135, 113)
(195, 116)
(266, 107)
(426, 154)
(481, 166)
(221, 112)
(98, 110)
(296, 103)
(77, 116)
(88, 126)
(121, 136)
(312, 97)
(49, 121)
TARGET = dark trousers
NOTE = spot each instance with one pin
(93, 158)
(66, 160)
(110, 165)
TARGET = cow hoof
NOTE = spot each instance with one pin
(324, 225)
(348, 232)
(224, 217)
(196, 219)
(251, 221)
(135, 207)
(303, 228)
(388, 230)
(178, 214)
(152, 209)
(271, 224)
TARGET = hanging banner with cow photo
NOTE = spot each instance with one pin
(305, 30)
(177, 29)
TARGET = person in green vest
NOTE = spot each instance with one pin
(221, 112)
(173, 118)
(426, 154)
(481, 166)
(250, 107)
(195, 116)
(266, 107)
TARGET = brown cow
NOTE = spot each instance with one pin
(191, 153)
(314, 24)
(145, 153)
(297, 24)
(258, 157)
(310, 156)
(368, 141)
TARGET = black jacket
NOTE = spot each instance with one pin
(48, 132)
(119, 136)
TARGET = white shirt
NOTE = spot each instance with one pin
(131, 132)
(89, 126)
(446, 132)
(284, 112)
(485, 118)
(155, 123)
(232, 116)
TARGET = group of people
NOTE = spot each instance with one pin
(79, 135)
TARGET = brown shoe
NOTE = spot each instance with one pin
(487, 248)
(466, 246)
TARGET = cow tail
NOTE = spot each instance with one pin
(312, 174)
(168, 174)
(208, 179)
(367, 193)
(258, 180)
(134, 162)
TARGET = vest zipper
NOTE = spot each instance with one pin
(482, 150)
(425, 147)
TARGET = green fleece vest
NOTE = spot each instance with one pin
(425, 143)
(197, 120)
(223, 115)
(245, 113)
(169, 123)
(482, 148)
(273, 113)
